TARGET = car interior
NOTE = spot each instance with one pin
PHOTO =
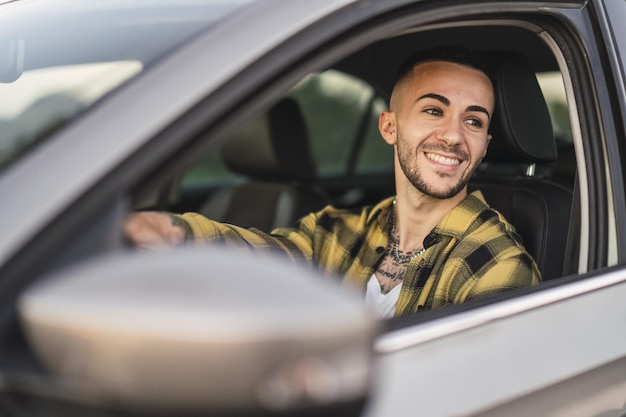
(319, 145)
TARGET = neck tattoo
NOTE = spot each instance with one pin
(399, 256)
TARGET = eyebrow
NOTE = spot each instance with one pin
(446, 101)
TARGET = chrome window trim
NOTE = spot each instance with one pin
(581, 165)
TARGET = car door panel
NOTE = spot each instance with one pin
(465, 364)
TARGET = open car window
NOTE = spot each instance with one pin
(352, 166)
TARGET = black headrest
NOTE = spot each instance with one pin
(274, 146)
(521, 126)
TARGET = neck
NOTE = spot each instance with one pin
(417, 214)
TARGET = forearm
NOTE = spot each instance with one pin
(201, 231)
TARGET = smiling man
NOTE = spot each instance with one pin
(432, 244)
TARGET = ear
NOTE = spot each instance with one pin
(388, 127)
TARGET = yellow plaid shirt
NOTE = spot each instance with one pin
(473, 252)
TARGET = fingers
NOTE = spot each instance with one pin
(152, 230)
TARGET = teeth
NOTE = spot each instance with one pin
(442, 159)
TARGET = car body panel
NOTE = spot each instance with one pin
(613, 32)
(526, 343)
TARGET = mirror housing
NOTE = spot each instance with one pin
(202, 329)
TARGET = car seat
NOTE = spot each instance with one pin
(514, 176)
(273, 152)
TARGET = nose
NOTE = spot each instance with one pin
(451, 132)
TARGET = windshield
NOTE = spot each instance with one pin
(58, 57)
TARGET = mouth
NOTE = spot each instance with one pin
(444, 160)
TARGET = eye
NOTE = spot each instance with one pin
(434, 111)
(473, 121)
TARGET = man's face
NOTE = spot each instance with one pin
(441, 118)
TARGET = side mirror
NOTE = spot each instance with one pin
(202, 329)
(12, 53)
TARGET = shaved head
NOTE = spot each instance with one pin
(455, 54)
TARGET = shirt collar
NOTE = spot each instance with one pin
(455, 223)
(458, 220)
(381, 212)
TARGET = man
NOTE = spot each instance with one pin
(431, 245)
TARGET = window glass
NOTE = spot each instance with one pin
(42, 99)
(210, 171)
(342, 113)
(553, 89)
(376, 155)
(58, 58)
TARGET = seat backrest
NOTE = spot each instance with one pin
(514, 174)
(273, 151)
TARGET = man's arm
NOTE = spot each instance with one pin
(155, 230)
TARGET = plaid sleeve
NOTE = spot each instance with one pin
(337, 242)
(295, 243)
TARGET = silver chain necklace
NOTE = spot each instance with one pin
(395, 250)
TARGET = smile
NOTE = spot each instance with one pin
(442, 159)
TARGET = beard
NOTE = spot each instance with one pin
(407, 156)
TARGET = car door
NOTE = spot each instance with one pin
(555, 349)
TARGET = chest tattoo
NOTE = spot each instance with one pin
(389, 273)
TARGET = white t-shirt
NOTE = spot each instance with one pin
(383, 305)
